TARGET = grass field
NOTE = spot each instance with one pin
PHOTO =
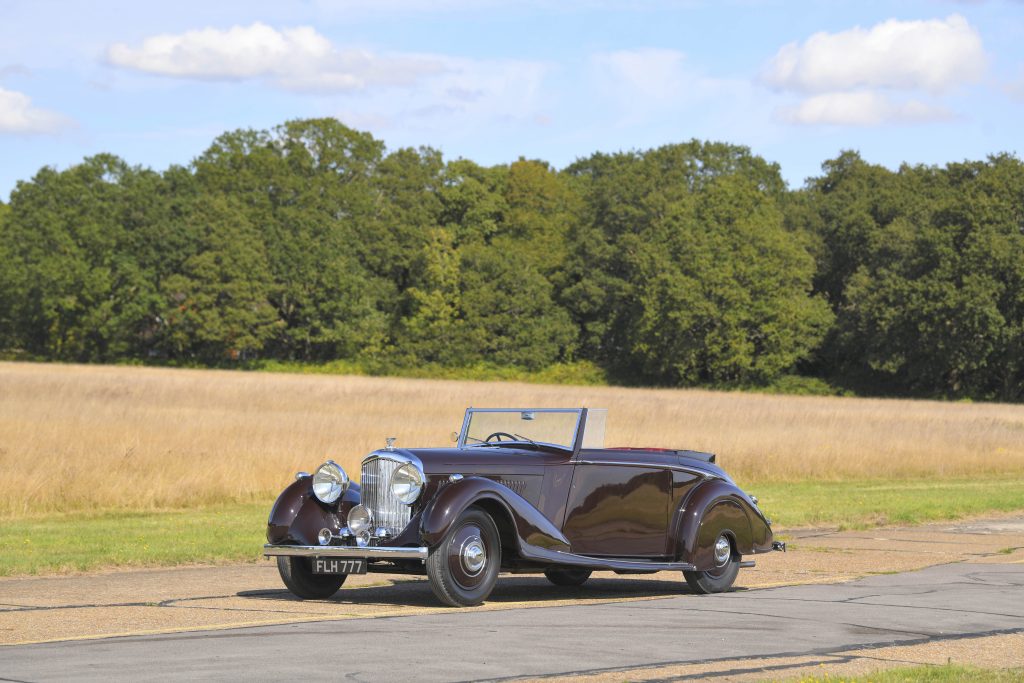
(60, 543)
(99, 453)
(947, 673)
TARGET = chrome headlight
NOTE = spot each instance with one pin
(406, 483)
(359, 519)
(329, 482)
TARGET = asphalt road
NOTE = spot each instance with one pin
(945, 602)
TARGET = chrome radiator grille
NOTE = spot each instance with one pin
(386, 511)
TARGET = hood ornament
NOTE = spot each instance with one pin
(391, 443)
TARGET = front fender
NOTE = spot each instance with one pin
(712, 507)
(530, 526)
(297, 516)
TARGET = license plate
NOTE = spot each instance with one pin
(338, 565)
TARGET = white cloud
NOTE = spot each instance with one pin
(932, 55)
(437, 93)
(653, 92)
(17, 115)
(652, 73)
(292, 58)
(510, 89)
(647, 83)
(863, 108)
(467, 95)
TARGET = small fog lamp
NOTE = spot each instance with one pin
(359, 519)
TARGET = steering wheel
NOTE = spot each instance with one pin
(497, 436)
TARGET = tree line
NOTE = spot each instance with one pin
(691, 264)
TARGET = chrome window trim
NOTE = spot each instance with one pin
(651, 466)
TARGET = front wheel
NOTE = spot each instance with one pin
(299, 578)
(463, 567)
(721, 578)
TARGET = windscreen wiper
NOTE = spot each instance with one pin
(524, 438)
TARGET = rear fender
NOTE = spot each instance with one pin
(711, 508)
(531, 528)
(297, 516)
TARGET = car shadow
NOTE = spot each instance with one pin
(415, 592)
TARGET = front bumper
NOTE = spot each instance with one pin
(370, 553)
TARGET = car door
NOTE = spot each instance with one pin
(618, 505)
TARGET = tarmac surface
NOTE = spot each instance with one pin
(968, 607)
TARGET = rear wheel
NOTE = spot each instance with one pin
(567, 577)
(721, 578)
(463, 567)
(298, 576)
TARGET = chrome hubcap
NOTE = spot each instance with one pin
(722, 551)
(474, 557)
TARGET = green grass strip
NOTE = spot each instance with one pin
(78, 542)
(862, 504)
(235, 532)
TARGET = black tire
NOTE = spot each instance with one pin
(303, 583)
(719, 579)
(464, 566)
(567, 577)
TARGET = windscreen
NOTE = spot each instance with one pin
(503, 426)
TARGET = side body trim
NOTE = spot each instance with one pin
(647, 465)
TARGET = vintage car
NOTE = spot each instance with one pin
(522, 491)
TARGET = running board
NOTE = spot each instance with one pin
(635, 565)
(538, 554)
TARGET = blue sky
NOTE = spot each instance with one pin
(919, 81)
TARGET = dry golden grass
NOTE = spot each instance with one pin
(98, 437)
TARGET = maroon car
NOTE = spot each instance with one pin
(523, 491)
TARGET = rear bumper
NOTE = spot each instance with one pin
(375, 553)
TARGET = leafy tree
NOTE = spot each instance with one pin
(542, 209)
(472, 200)
(687, 273)
(934, 305)
(9, 337)
(433, 329)
(477, 291)
(686, 264)
(77, 289)
(406, 210)
(306, 190)
(509, 309)
(726, 300)
(217, 307)
(853, 201)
